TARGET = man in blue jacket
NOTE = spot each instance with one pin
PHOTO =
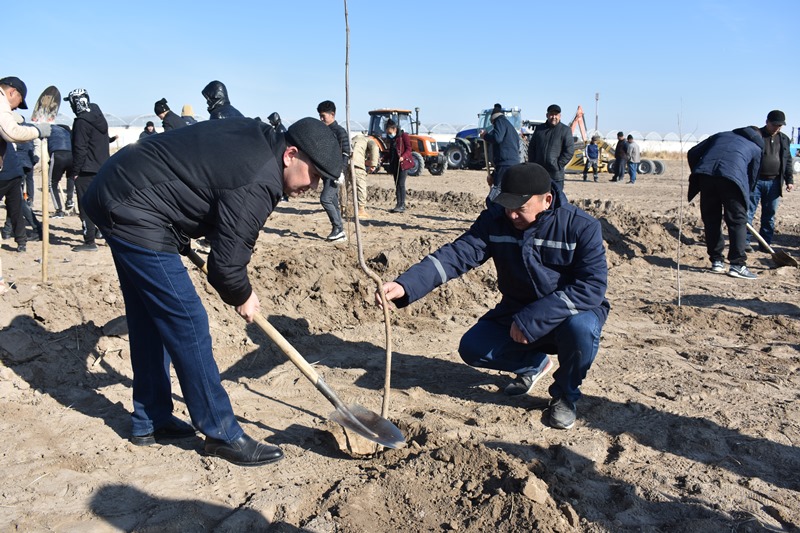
(552, 273)
(504, 141)
(217, 179)
(724, 169)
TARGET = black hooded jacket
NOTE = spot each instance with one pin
(219, 106)
(217, 179)
(89, 141)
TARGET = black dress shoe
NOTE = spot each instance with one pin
(243, 451)
(174, 430)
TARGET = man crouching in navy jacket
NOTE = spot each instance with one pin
(219, 179)
(552, 273)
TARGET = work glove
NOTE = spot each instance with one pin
(340, 180)
(44, 129)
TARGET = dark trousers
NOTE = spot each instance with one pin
(721, 197)
(619, 169)
(488, 344)
(167, 321)
(11, 190)
(28, 216)
(61, 163)
(400, 186)
(89, 229)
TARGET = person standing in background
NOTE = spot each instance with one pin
(504, 141)
(400, 161)
(774, 173)
(187, 114)
(330, 188)
(552, 145)
(366, 158)
(89, 151)
(634, 158)
(219, 105)
(620, 158)
(169, 120)
(59, 147)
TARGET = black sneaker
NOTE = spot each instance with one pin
(58, 214)
(69, 206)
(525, 382)
(562, 413)
(85, 247)
(21, 248)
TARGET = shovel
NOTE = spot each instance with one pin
(356, 418)
(781, 258)
(46, 110)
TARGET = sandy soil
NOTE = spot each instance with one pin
(690, 420)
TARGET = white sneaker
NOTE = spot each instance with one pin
(717, 266)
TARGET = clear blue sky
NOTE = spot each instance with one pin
(709, 65)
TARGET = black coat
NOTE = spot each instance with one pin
(89, 141)
(552, 147)
(171, 121)
(217, 179)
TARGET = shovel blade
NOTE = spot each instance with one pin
(369, 425)
(784, 259)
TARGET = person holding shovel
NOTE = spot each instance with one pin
(724, 169)
(504, 141)
(219, 179)
(552, 274)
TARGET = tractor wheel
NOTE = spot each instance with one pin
(419, 164)
(658, 167)
(612, 166)
(645, 167)
(796, 165)
(456, 156)
(437, 169)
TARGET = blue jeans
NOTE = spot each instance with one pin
(488, 344)
(329, 198)
(633, 168)
(768, 194)
(167, 320)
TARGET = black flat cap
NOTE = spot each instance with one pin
(522, 182)
(319, 143)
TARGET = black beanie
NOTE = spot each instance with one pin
(161, 106)
(319, 143)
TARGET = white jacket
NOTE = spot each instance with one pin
(9, 129)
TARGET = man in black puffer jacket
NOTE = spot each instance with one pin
(217, 179)
(89, 151)
(552, 146)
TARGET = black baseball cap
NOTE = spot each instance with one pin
(776, 117)
(18, 84)
(522, 182)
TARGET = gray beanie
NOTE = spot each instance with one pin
(319, 143)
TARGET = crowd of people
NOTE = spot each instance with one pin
(221, 179)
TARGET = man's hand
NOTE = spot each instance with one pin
(517, 335)
(789, 187)
(392, 290)
(250, 308)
